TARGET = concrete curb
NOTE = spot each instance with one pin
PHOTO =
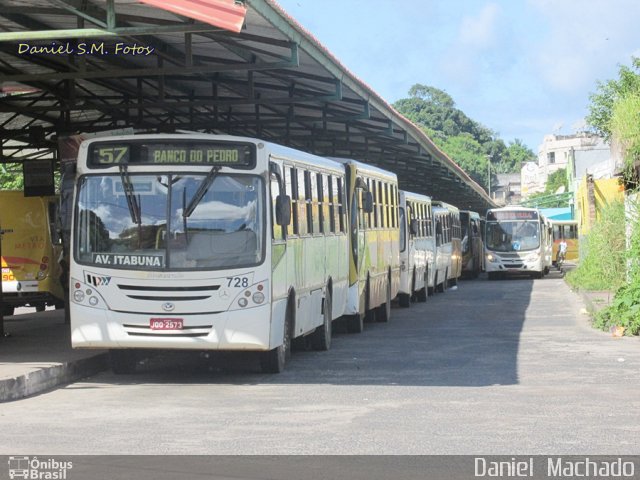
(41, 379)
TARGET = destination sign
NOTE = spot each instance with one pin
(128, 260)
(109, 154)
(512, 215)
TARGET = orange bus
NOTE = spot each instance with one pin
(567, 230)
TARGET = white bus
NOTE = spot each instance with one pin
(374, 257)
(448, 232)
(191, 242)
(515, 242)
(417, 248)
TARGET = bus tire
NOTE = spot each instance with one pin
(369, 313)
(404, 299)
(422, 294)
(443, 286)
(8, 310)
(274, 360)
(321, 336)
(123, 362)
(40, 307)
(383, 312)
(355, 323)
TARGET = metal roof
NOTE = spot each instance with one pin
(272, 80)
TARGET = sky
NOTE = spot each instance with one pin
(523, 68)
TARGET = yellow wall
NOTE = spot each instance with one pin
(605, 191)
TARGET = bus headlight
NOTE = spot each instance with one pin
(251, 297)
(492, 258)
(258, 297)
(41, 275)
(86, 296)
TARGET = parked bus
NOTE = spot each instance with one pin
(206, 242)
(567, 230)
(472, 244)
(30, 269)
(417, 248)
(547, 241)
(448, 245)
(374, 261)
(515, 242)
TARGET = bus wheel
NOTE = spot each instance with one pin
(355, 323)
(443, 285)
(321, 337)
(8, 310)
(123, 362)
(40, 307)
(274, 360)
(404, 299)
(383, 312)
(421, 295)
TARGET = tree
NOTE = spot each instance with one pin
(469, 143)
(608, 93)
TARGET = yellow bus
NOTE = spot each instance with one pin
(30, 269)
(567, 230)
(374, 240)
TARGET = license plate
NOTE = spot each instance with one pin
(166, 323)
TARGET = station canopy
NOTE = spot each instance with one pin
(219, 66)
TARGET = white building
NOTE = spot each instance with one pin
(555, 153)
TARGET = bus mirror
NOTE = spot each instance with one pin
(367, 200)
(413, 227)
(283, 210)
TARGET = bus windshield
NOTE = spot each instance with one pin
(513, 236)
(224, 229)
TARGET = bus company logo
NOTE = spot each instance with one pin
(35, 469)
(97, 281)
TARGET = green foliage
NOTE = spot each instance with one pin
(11, 177)
(624, 310)
(470, 144)
(608, 93)
(602, 253)
(556, 180)
(625, 127)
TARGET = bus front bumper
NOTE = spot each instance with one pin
(247, 329)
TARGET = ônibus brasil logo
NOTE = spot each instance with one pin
(35, 469)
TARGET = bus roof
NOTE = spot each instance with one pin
(414, 196)
(366, 168)
(444, 206)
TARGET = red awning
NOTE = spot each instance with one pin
(225, 14)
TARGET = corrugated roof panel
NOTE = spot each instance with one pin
(225, 14)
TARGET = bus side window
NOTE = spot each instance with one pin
(332, 208)
(292, 190)
(340, 200)
(303, 228)
(277, 232)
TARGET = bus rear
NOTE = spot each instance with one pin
(30, 269)
(566, 230)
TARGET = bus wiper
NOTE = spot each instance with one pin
(202, 190)
(132, 200)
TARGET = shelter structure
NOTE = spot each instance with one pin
(221, 66)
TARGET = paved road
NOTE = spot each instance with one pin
(501, 367)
